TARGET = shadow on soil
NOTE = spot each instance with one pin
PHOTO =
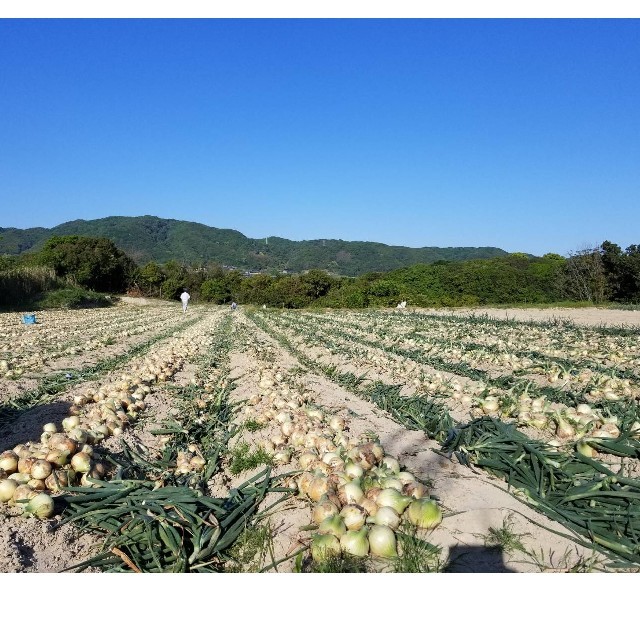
(476, 559)
(28, 426)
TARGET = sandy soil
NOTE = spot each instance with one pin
(593, 316)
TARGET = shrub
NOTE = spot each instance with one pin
(72, 298)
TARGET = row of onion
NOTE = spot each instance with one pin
(66, 456)
(28, 348)
(359, 496)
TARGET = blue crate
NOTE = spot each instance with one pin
(29, 319)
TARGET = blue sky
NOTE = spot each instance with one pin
(521, 134)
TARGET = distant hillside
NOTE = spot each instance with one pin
(147, 238)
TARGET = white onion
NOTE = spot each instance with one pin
(382, 541)
(391, 483)
(388, 517)
(350, 492)
(354, 470)
(81, 462)
(394, 499)
(7, 489)
(424, 513)
(355, 543)
(9, 461)
(40, 506)
(324, 509)
(334, 525)
(41, 469)
(354, 516)
(318, 487)
(391, 463)
(324, 546)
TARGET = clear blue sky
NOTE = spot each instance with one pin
(521, 134)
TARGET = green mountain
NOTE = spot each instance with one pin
(147, 238)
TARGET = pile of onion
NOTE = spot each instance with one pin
(360, 496)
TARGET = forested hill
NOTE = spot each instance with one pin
(147, 238)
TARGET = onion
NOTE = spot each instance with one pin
(324, 546)
(315, 414)
(68, 445)
(564, 428)
(25, 464)
(324, 509)
(350, 492)
(368, 505)
(386, 516)
(81, 462)
(354, 470)
(382, 541)
(20, 478)
(391, 483)
(585, 449)
(405, 477)
(354, 516)
(414, 489)
(59, 479)
(7, 489)
(394, 499)
(332, 459)
(584, 409)
(334, 525)
(304, 482)
(306, 459)
(79, 435)
(391, 463)
(424, 513)
(318, 487)
(23, 492)
(9, 461)
(57, 458)
(377, 450)
(198, 463)
(355, 543)
(70, 422)
(339, 478)
(40, 506)
(297, 438)
(21, 450)
(41, 469)
(282, 456)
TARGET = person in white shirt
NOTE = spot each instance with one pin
(184, 296)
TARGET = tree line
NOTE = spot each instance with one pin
(77, 264)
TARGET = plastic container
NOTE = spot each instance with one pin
(29, 318)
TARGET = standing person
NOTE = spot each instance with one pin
(184, 296)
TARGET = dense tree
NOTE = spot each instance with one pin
(95, 263)
(150, 278)
(583, 276)
(216, 291)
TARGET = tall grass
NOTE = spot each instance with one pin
(19, 284)
(29, 288)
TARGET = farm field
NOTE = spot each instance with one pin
(320, 441)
